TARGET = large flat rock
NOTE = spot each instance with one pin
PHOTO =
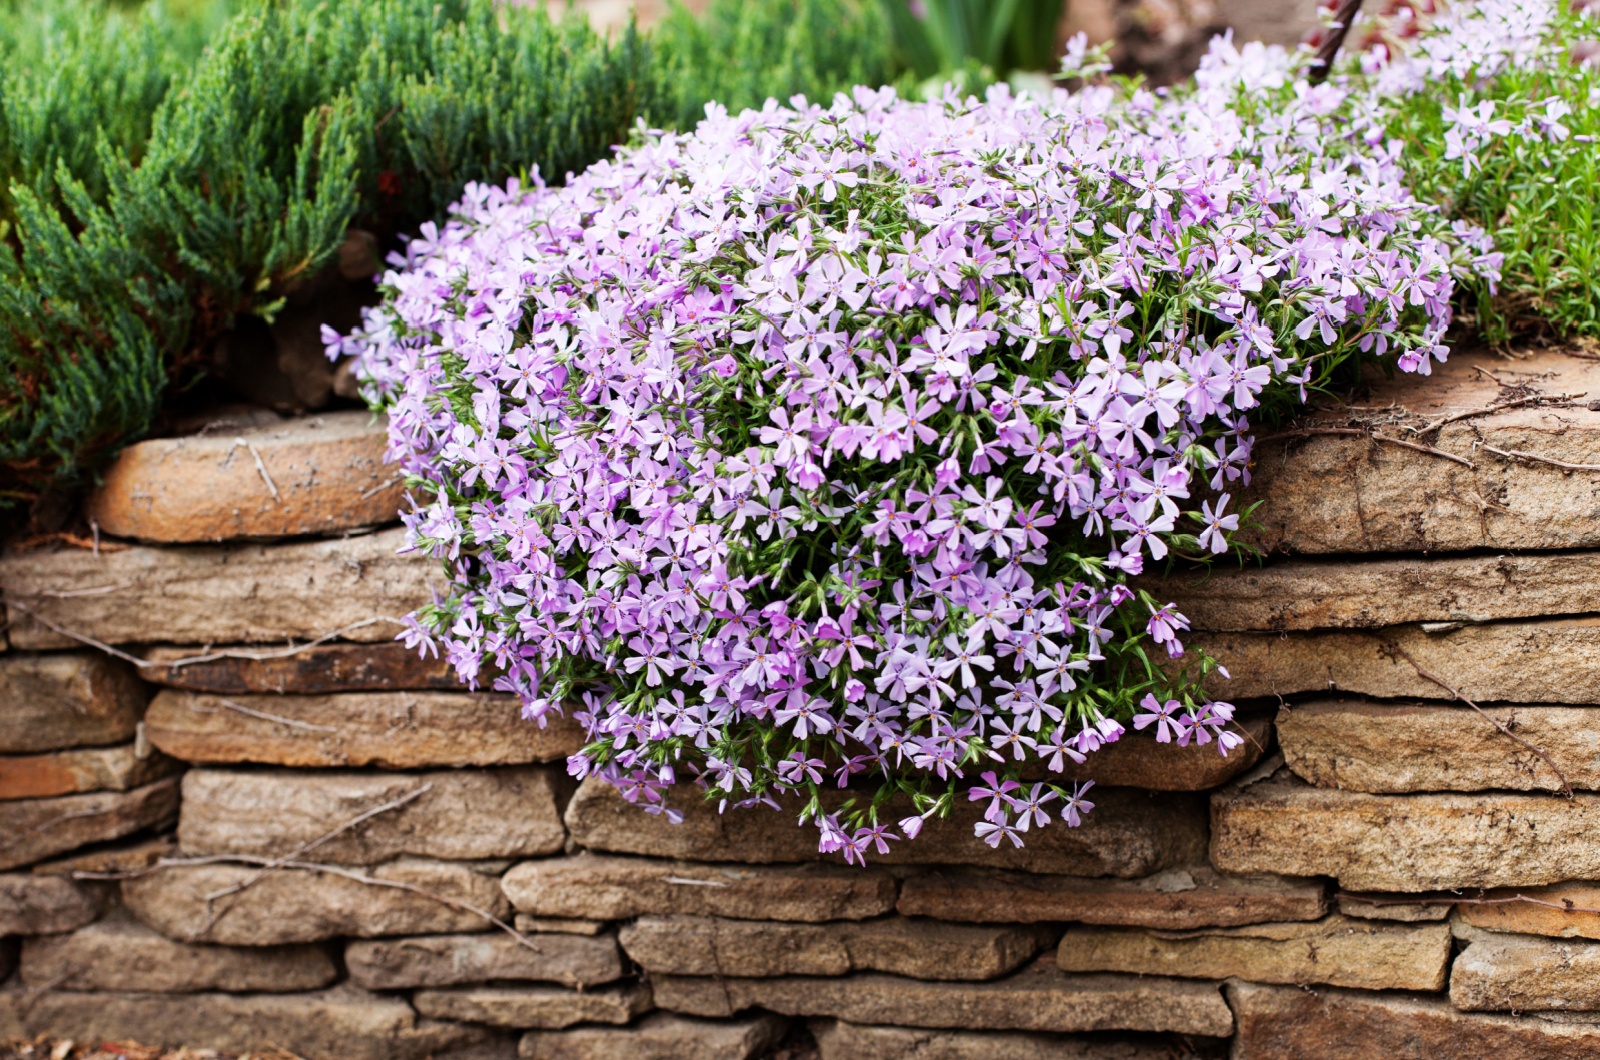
(34, 829)
(839, 1040)
(459, 814)
(1557, 911)
(42, 776)
(1383, 747)
(535, 1007)
(305, 905)
(315, 475)
(1520, 974)
(1406, 843)
(602, 887)
(1333, 493)
(46, 905)
(224, 594)
(1129, 833)
(393, 730)
(659, 1036)
(452, 960)
(72, 699)
(309, 671)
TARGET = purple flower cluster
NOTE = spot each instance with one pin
(817, 447)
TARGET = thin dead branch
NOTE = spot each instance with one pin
(293, 723)
(1354, 432)
(1518, 454)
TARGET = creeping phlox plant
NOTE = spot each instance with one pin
(816, 449)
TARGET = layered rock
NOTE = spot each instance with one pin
(451, 960)
(34, 829)
(311, 670)
(46, 905)
(839, 1040)
(73, 699)
(42, 776)
(1520, 974)
(541, 1007)
(659, 1036)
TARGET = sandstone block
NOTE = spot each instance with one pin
(120, 953)
(460, 814)
(1039, 998)
(838, 1040)
(918, 949)
(310, 671)
(74, 699)
(1521, 974)
(46, 905)
(1391, 907)
(1371, 955)
(601, 887)
(1288, 1023)
(1405, 843)
(393, 730)
(1129, 833)
(304, 905)
(1138, 761)
(86, 769)
(451, 960)
(34, 829)
(130, 855)
(1557, 911)
(657, 1037)
(558, 925)
(222, 594)
(1177, 899)
(1380, 747)
(535, 1007)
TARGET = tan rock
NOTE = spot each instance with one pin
(1138, 761)
(1392, 907)
(338, 1024)
(73, 699)
(1557, 911)
(1517, 973)
(1039, 998)
(315, 475)
(1405, 843)
(303, 905)
(45, 905)
(1343, 952)
(535, 1007)
(120, 953)
(1290, 1023)
(919, 949)
(1177, 899)
(1129, 833)
(600, 887)
(393, 730)
(218, 594)
(657, 1037)
(130, 855)
(459, 814)
(310, 671)
(838, 1040)
(1381, 747)
(34, 829)
(86, 769)
(558, 925)
(451, 960)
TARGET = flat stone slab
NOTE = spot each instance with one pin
(838, 1040)
(1177, 899)
(34, 829)
(459, 814)
(558, 925)
(1424, 909)
(304, 905)
(1368, 954)
(315, 475)
(392, 730)
(659, 1036)
(1137, 760)
(120, 953)
(1521, 974)
(603, 887)
(218, 594)
(1290, 1023)
(129, 855)
(1402, 747)
(42, 776)
(918, 949)
(73, 699)
(1405, 843)
(535, 1007)
(1129, 833)
(1555, 911)
(451, 960)
(1040, 998)
(309, 671)
(46, 905)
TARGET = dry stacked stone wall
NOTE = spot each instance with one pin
(235, 814)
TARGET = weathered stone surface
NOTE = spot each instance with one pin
(601, 887)
(536, 1007)
(1371, 955)
(1289, 1023)
(1330, 493)
(1389, 907)
(1521, 974)
(1405, 843)
(838, 1040)
(338, 1024)
(120, 953)
(1130, 833)
(302, 905)
(42, 776)
(34, 829)
(227, 594)
(1380, 747)
(1534, 913)
(127, 856)
(45, 905)
(1174, 900)
(310, 671)
(394, 730)
(919, 949)
(1039, 998)
(315, 475)
(460, 815)
(450, 960)
(73, 699)
(558, 925)
(657, 1037)
(1138, 761)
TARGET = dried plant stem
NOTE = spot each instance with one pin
(279, 719)
(1517, 454)
(1353, 432)
(1559, 401)
(1516, 899)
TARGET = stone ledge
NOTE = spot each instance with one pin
(310, 671)
(34, 829)
(659, 1036)
(1521, 974)
(453, 960)
(72, 699)
(535, 1007)
(47, 905)
(838, 1040)
(43, 776)
(1538, 919)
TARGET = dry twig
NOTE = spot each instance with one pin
(293, 723)
(1306, 432)
(1517, 454)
